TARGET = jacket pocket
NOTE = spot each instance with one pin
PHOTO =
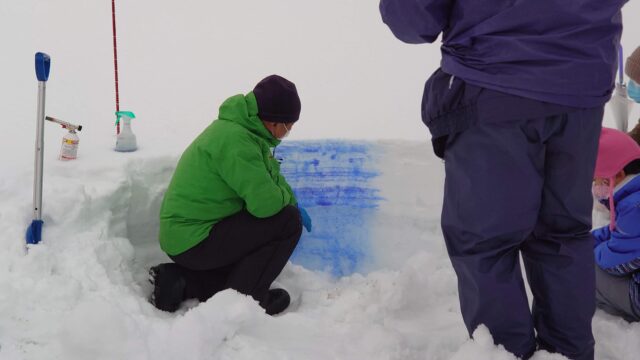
(449, 106)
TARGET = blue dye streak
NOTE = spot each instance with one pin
(332, 180)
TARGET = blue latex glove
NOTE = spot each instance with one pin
(306, 219)
(633, 90)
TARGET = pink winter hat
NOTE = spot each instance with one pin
(617, 150)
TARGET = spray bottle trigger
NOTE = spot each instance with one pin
(121, 114)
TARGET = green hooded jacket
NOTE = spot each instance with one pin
(227, 168)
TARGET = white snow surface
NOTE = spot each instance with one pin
(81, 293)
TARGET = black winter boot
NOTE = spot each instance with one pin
(276, 301)
(168, 287)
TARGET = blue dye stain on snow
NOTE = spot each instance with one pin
(332, 180)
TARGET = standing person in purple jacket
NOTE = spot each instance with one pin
(515, 111)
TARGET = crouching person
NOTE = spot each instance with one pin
(228, 218)
(617, 245)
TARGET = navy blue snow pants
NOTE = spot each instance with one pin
(524, 188)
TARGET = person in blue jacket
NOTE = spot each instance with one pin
(617, 246)
(516, 111)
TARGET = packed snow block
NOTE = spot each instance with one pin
(334, 181)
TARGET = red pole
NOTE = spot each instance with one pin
(115, 58)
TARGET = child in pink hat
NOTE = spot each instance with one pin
(617, 246)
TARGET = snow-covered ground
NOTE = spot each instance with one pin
(81, 293)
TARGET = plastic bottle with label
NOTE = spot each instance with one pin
(69, 148)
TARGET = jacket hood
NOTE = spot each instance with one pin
(630, 187)
(243, 110)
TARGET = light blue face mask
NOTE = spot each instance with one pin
(633, 90)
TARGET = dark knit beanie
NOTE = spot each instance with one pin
(632, 68)
(277, 99)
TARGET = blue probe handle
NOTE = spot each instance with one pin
(43, 65)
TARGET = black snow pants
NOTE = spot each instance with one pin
(242, 252)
